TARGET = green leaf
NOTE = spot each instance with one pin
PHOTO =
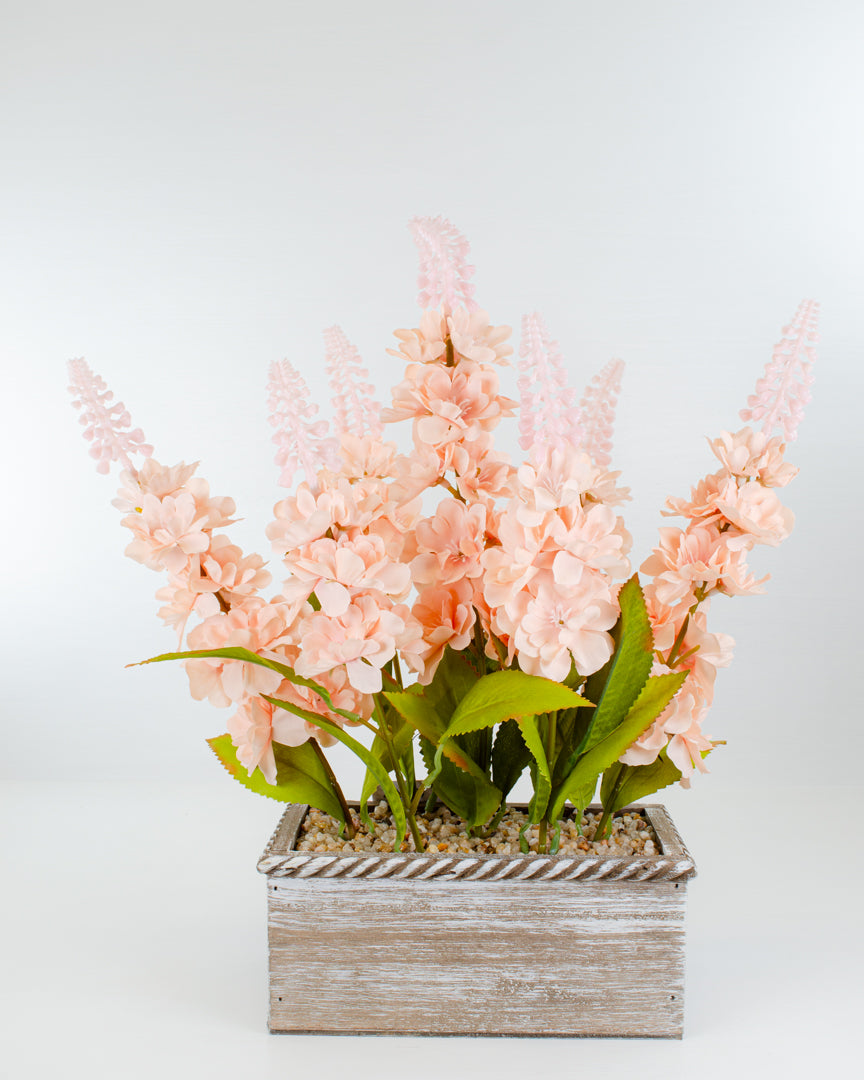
(465, 788)
(300, 775)
(510, 756)
(418, 711)
(453, 678)
(630, 667)
(235, 652)
(635, 782)
(402, 736)
(542, 779)
(653, 699)
(365, 755)
(617, 685)
(507, 695)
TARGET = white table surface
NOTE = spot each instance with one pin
(134, 945)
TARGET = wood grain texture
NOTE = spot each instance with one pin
(361, 944)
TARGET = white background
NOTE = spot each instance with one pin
(190, 191)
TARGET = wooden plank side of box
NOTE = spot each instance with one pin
(477, 957)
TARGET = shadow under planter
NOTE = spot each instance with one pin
(420, 944)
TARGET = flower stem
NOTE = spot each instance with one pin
(384, 732)
(337, 790)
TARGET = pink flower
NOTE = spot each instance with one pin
(450, 544)
(224, 568)
(753, 456)
(448, 403)
(366, 457)
(362, 639)
(425, 345)
(474, 338)
(333, 569)
(168, 532)
(482, 474)
(686, 560)
(702, 504)
(151, 479)
(678, 731)
(595, 538)
(555, 477)
(446, 616)
(341, 507)
(551, 627)
(250, 729)
(256, 626)
(756, 512)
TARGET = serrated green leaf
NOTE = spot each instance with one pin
(453, 678)
(617, 685)
(418, 711)
(507, 695)
(365, 755)
(465, 788)
(542, 778)
(635, 782)
(630, 666)
(653, 699)
(510, 757)
(300, 775)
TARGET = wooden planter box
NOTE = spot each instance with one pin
(395, 944)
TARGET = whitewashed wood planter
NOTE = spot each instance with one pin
(440, 944)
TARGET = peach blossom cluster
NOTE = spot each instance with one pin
(728, 513)
(549, 580)
(522, 563)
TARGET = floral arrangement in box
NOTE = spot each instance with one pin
(496, 627)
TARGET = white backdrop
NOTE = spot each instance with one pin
(191, 190)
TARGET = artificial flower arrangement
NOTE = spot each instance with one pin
(500, 628)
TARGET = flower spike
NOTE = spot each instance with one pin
(547, 411)
(355, 411)
(107, 426)
(784, 389)
(444, 272)
(302, 441)
(597, 412)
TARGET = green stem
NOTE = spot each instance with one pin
(397, 670)
(603, 825)
(609, 808)
(337, 790)
(549, 750)
(384, 731)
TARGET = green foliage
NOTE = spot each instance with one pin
(365, 755)
(653, 699)
(402, 740)
(510, 757)
(508, 695)
(301, 776)
(617, 685)
(542, 778)
(626, 784)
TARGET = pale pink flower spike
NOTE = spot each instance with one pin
(784, 388)
(355, 410)
(597, 412)
(444, 270)
(108, 427)
(302, 441)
